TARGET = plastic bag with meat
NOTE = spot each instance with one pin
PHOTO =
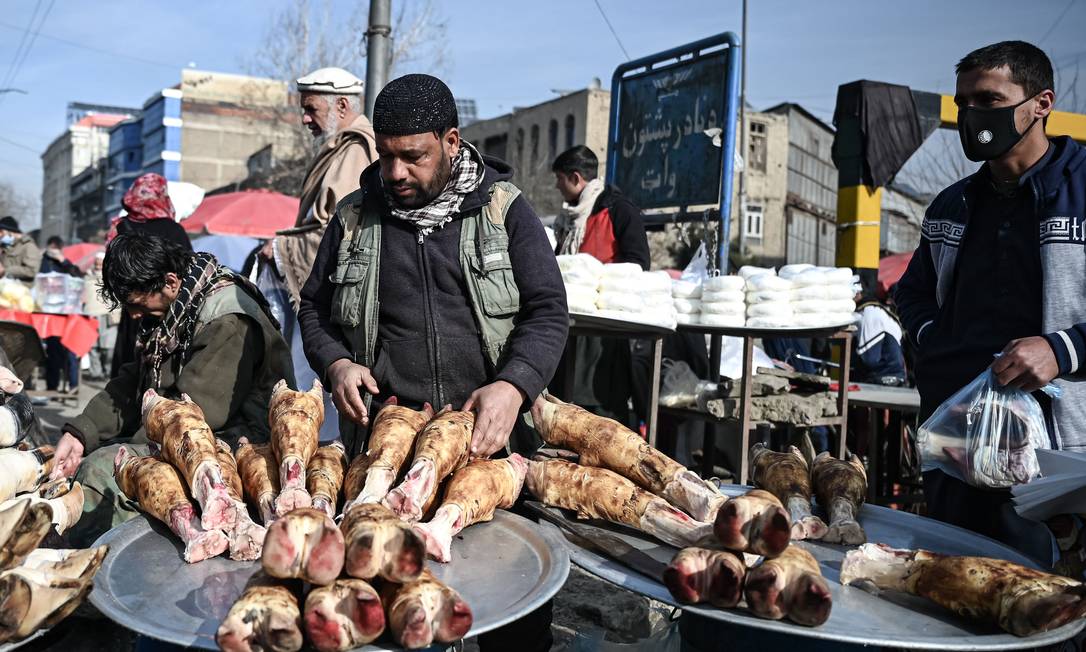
(986, 435)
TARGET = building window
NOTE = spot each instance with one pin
(552, 140)
(756, 158)
(570, 130)
(535, 145)
(752, 221)
(757, 127)
(520, 147)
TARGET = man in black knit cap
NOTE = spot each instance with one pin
(436, 284)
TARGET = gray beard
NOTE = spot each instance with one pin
(328, 134)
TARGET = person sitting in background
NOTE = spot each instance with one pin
(108, 318)
(58, 359)
(149, 212)
(20, 257)
(204, 331)
(879, 356)
(54, 262)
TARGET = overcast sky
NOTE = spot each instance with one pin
(507, 53)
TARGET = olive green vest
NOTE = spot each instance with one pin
(484, 259)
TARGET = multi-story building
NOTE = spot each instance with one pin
(87, 203)
(124, 163)
(81, 145)
(530, 138)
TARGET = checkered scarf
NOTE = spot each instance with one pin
(466, 176)
(203, 277)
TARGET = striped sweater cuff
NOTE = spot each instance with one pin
(1070, 348)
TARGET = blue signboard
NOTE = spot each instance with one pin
(659, 153)
(665, 157)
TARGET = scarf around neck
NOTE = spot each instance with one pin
(175, 330)
(465, 178)
(569, 228)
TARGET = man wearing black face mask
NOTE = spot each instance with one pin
(1001, 268)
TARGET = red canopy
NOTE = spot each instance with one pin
(252, 213)
(82, 254)
(891, 269)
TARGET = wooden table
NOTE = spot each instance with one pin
(595, 326)
(840, 334)
(899, 401)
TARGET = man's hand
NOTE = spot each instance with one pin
(68, 456)
(1028, 363)
(346, 377)
(496, 407)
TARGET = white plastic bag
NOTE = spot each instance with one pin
(724, 284)
(986, 435)
(697, 270)
(681, 289)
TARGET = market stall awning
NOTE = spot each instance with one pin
(82, 255)
(252, 213)
(891, 269)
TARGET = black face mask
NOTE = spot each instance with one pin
(989, 133)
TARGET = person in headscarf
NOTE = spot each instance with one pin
(205, 332)
(148, 211)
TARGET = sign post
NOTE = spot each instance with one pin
(666, 109)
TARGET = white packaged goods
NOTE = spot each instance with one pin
(767, 282)
(617, 284)
(811, 293)
(810, 307)
(685, 289)
(833, 319)
(581, 305)
(724, 283)
(781, 310)
(808, 320)
(838, 275)
(686, 318)
(723, 308)
(586, 262)
(657, 300)
(581, 276)
(687, 306)
(747, 271)
(837, 292)
(656, 281)
(730, 321)
(580, 293)
(726, 296)
(788, 271)
(769, 322)
(620, 270)
(620, 301)
(762, 296)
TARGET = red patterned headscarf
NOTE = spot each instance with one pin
(148, 199)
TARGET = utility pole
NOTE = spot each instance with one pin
(377, 50)
(743, 147)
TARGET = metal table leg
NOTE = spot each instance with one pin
(708, 446)
(654, 389)
(873, 452)
(844, 338)
(746, 387)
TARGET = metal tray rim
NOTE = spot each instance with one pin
(553, 555)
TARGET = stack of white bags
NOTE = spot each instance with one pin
(821, 296)
(722, 301)
(618, 291)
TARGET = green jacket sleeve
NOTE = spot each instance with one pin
(112, 412)
(225, 355)
(222, 359)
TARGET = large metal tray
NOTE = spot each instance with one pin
(504, 569)
(890, 619)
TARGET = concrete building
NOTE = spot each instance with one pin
(530, 138)
(124, 163)
(902, 215)
(761, 218)
(81, 145)
(87, 203)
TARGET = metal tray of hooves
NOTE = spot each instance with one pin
(504, 569)
(890, 619)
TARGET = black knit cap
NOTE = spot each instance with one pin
(414, 104)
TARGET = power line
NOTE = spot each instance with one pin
(90, 48)
(29, 46)
(1056, 22)
(19, 145)
(613, 32)
(22, 42)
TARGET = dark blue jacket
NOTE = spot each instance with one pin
(1059, 203)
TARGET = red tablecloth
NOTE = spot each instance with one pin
(77, 333)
